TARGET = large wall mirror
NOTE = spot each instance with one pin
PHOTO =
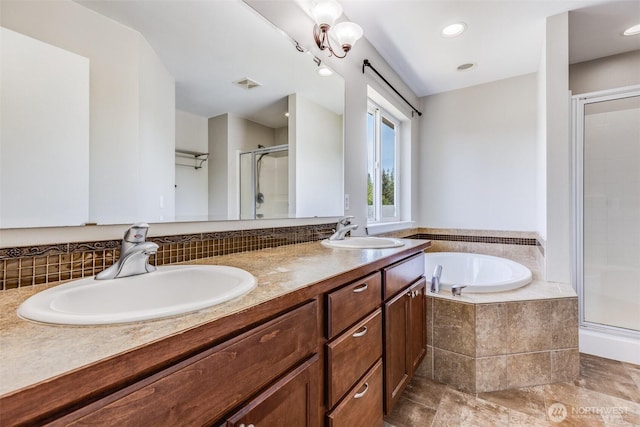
(114, 112)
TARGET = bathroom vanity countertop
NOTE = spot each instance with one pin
(33, 352)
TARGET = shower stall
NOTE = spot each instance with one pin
(264, 183)
(607, 221)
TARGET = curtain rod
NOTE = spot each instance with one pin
(366, 63)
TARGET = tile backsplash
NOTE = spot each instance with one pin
(32, 265)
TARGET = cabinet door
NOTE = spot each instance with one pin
(292, 401)
(405, 339)
(397, 366)
(418, 323)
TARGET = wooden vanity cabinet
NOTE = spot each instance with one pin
(272, 368)
(405, 339)
(201, 389)
(354, 356)
(292, 401)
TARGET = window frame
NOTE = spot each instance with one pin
(379, 114)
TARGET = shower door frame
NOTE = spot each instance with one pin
(254, 173)
(578, 103)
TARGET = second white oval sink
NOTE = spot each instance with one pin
(363, 243)
(168, 291)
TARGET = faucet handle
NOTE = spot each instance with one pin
(346, 220)
(137, 233)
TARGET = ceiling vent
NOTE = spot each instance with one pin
(247, 83)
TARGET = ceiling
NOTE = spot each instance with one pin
(504, 38)
(199, 43)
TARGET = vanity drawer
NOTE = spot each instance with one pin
(202, 388)
(349, 304)
(362, 407)
(401, 275)
(351, 354)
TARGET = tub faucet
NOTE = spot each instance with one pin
(134, 254)
(343, 227)
(435, 279)
(456, 290)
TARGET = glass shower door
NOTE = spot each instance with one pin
(610, 146)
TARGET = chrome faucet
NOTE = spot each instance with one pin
(134, 254)
(435, 279)
(343, 227)
(456, 290)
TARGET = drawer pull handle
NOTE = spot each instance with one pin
(243, 425)
(361, 333)
(363, 392)
(362, 288)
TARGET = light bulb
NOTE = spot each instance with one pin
(347, 34)
(325, 12)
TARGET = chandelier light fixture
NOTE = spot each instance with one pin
(325, 13)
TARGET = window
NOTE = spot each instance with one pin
(383, 132)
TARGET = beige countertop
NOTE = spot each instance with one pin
(31, 352)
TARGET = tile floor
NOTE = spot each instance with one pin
(607, 393)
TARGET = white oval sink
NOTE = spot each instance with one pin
(168, 291)
(363, 243)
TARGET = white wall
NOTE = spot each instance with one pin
(218, 149)
(316, 156)
(605, 73)
(45, 132)
(156, 112)
(478, 168)
(123, 76)
(192, 188)
(558, 247)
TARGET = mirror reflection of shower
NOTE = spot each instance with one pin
(264, 182)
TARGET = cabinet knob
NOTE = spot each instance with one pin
(360, 333)
(243, 425)
(363, 392)
(362, 288)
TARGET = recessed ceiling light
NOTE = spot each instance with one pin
(324, 71)
(632, 31)
(466, 67)
(453, 30)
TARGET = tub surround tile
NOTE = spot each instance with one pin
(454, 326)
(429, 309)
(528, 329)
(564, 323)
(491, 328)
(491, 374)
(510, 344)
(565, 365)
(455, 369)
(528, 369)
